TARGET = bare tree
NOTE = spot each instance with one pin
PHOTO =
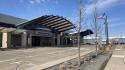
(97, 28)
(81, 14)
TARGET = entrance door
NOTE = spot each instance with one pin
(45, 41)
(35, 41)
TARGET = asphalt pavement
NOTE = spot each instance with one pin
(27, 58)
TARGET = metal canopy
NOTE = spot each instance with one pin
(84, 33)
(55, 23)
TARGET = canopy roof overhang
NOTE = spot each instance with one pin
(53, 23)
(84, 33)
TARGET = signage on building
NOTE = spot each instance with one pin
(41, 33)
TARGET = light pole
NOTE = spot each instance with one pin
(106, 30)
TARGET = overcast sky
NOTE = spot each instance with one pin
(30, 9)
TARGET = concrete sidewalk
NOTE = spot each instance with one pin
(117, 61)
(52, 63)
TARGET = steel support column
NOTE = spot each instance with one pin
(58, 39)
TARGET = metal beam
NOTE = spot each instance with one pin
(48, 20)
(44, 19)
(32, 21)
(53, 30)
(66, 29)
(60, 23)
(34, 26)
(53, 21)
(63, 19)
(64, 26)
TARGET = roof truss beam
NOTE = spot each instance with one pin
(64, 26)
(55, 23)
(45, 21)
(52, 22)
(61, 24)
(68, 28)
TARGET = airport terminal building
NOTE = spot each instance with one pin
(48, 30)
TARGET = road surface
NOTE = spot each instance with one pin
(27, 58)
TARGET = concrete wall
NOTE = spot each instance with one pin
(6, 39)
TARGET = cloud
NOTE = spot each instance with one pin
(38, 1)
(101, 4)
(42, 1)
(31, 2)
(107, 3)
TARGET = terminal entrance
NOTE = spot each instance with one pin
(41, 41)
(46, 41)
(35, 40)
(47, 30)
